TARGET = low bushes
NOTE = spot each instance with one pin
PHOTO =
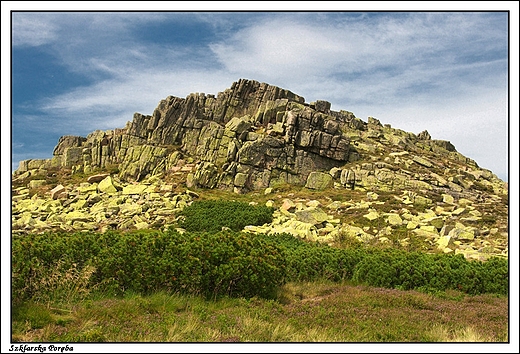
(306, 261)
(213, 215)
(397, 269)
(393, 268)
(429, 272)
(223, 263)
(234, 264)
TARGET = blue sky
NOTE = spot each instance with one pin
(445, 72)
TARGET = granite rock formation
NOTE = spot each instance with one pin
(254, 135)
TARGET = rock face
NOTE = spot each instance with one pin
(254, 135)
(247, 137)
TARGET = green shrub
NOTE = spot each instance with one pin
(37, 260)
(307, 261)
(228, 263)
(214, 215)
(223, 263)
(432, 272)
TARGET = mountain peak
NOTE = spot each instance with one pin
(254, 135)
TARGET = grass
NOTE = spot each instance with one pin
(302, 312)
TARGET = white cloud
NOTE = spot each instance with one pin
(76, 28)
(287, 46)
(30, 29)
(111, 103)
(279, 49)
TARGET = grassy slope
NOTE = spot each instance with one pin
(310, 312)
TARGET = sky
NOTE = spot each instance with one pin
(444, 72)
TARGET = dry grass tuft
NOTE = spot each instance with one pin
(441, 333)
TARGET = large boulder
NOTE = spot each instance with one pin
(97, 178)
(58, 192)
(107, 185)
(66, 142)
(318, 180)
(312, 216)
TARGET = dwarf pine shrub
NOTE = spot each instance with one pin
(213, 215)
(211, 264)
(229, 263)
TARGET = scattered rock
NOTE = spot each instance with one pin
(97, 178)
(372, 215)
(311, 215)
(58, 192)
(394, 219)
(107, 185)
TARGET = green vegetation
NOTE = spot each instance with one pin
(414, 270)
(214, 215)
(231, 263)
(223, 263)
(392, 268)
(302, 312)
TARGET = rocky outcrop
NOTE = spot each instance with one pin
(262, 131)
(102, 202)
(99, 205)
(254, 136)
(441, 227)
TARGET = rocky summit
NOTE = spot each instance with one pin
(257, 138)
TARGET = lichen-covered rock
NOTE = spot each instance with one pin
(437, 222)
(318, 180)
(311, 215)
(357, 233)
(448, 199)
(134, 189)
(240, 179)
(107, 185)
(35, 183)
(67, 142)
(394, 219)
(273, 137)
(77, 215)
(422, 161)
(372, 215)
(257, 136)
